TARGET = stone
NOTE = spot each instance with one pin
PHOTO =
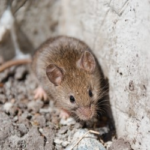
(35, 105)
(5, 125)
(34, 140)
(2, 98)
(20, 72)
(49, 134)
(88, 141)
(39, 121)
(120, 144)
(23, 129)
(63, 130)
(69, 121)
(7, 107)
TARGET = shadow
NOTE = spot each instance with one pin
(105, 117)
(104, 122)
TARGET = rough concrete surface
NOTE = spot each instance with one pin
(118, 32)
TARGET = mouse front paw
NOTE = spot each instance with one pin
(39, 93)
(64, 114)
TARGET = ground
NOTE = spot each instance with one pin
(26, 123)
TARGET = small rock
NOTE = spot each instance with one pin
(2, 90)
(20, 72)
(58, 147)
(7, 106)
(49, 133)
(65, 143)
(57, 141)
(39, 120)
(88, 141)
(4, 75)
(47, 116)
(13, 111)
(35, 105)
(5, 125)
(77, 125)
(108, 144)
(23, 104)
(46, 110)
(69, 121)
(63, 130)
(15, 118)
(34, 141)
(120, 144)
(23, 129)
(25, 118)
(10, 108)
(55, 119)
(2, 98)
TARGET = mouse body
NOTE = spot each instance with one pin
(69, 73)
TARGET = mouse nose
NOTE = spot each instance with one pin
(86, 111)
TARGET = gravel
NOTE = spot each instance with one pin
(31, 124)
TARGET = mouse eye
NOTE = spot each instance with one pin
(90, 93)
(72, 99)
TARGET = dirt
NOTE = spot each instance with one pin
(31, 124)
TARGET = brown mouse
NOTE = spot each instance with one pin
(69, 73)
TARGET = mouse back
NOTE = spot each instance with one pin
(70, 74)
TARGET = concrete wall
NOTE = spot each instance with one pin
(118, 31)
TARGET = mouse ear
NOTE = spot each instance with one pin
(55, 74)
(87, 62)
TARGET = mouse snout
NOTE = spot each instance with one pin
(85, 113)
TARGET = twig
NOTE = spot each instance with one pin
(14, 62)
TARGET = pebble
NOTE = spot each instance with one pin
(35, 105)
(54, 119)
(89, 142)
(7, 106)
(65, 143)
(59, 147)
(22, 128)
(5, 125)
(39, 121)
(108, 144)
(4, 75)
(2, 98)
(63, 130)
(120, 144)
(69, 121)
(49, 134)
(20, 71)
(57, 141)
(15, 118)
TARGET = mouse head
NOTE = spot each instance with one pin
(78, 87)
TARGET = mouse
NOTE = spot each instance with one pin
(70, 75)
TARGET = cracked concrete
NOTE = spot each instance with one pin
(118, 32)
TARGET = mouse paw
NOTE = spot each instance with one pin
(64, 114)
(39, 93)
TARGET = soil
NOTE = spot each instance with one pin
(31, 124)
